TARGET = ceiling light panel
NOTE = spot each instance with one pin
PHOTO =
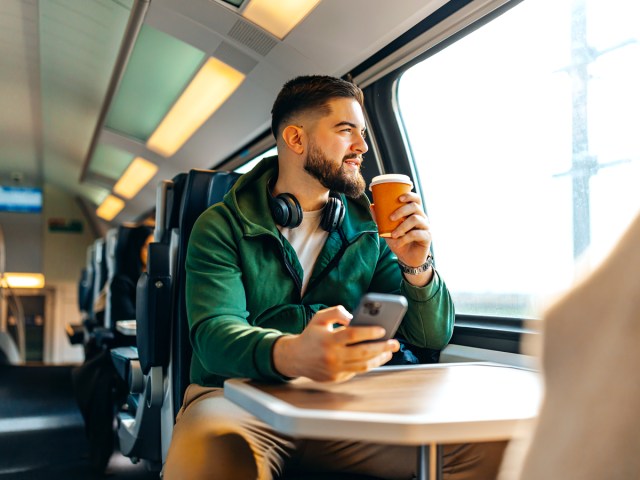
(160, 68)
(135, 177)
(23, 280)
(209, 89)
(280, 17)
(110, 207)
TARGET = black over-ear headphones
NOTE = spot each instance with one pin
(287, 212)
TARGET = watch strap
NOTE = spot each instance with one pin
(404, 268)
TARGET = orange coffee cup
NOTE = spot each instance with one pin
(386, 190)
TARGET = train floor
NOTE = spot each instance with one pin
(42, 431)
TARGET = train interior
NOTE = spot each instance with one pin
(121, 121)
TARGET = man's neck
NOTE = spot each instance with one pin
(311, 194)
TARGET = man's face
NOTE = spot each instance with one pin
(335, 149)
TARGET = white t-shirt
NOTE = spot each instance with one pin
(307, 240)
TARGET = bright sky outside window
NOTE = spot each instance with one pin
(253, 162)
(520, 201)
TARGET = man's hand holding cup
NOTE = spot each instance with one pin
(404, 225)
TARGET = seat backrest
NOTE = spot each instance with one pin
(110, 240)
(168, 198)
(124, 246)
(154, 302)
(153, 309)
(99, 274)
(203, 188)
(85, 286)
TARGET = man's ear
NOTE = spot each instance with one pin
(294, 137)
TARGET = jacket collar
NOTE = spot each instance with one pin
(248, 200)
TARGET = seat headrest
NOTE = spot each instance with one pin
(173, 202)
(202, 189)
(100, 263)
(130, 240)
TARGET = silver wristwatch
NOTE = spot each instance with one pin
(416, 270)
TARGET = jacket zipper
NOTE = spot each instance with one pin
(330, 265)
(296, 278)
(335, 259)
(293, 274)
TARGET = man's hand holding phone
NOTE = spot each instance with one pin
(382, 310)
(325, 353)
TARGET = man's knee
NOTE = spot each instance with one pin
(200, 454)
(234, 458)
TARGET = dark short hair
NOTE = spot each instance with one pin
(310, 92)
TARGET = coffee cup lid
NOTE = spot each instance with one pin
(390, 178)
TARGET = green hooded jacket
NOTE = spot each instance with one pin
(244, 281)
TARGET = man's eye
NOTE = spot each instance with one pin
(364, 134)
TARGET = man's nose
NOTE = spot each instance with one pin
(360, 145)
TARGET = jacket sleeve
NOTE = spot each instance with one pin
(429, 320)
(223, 340)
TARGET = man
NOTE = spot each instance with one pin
(272, 274)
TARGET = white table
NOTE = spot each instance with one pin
(424, 405)
(127, 327)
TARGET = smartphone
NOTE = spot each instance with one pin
(380, 309)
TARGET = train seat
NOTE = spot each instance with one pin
(124, 266)
(154, 288)
(143, 366)
(9, 354)
(171, 346)
(75, 332)
(100, 274)
(203, 189)
(97, 268)
(92, 280)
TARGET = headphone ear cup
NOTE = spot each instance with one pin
(289, 210)
(295, 210)
(285, 208)
(333, 214)
(279, 210)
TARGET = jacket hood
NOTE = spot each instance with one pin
(247, 199)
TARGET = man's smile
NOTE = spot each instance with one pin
(353, 163)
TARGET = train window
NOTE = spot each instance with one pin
(524, 138)
(244, 168)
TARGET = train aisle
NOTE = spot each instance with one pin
(42, 431)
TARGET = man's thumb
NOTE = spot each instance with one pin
(332, 315)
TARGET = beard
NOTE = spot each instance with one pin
(334, 177)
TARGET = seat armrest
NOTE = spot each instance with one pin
(154, 308)
(122, 358)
